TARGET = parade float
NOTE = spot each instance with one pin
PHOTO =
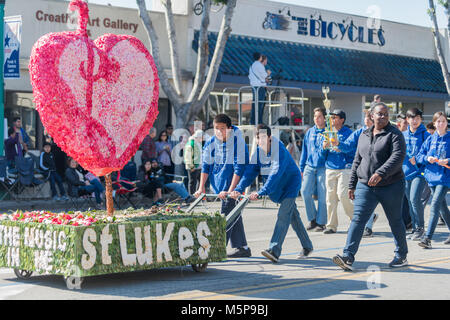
(98, 100)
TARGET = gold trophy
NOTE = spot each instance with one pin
(330, 133)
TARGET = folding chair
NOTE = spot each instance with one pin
(40, 174)
(6, 185)
(83, 200)
(124, 189)
(25, 174)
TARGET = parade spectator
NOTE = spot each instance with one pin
(164, 152)
(402, 124)
(434, 154)
(415, 136)
(259, 77)
(148, 146)
(282, 184)
(12, 147)
(24, 139)
(47, 164)
(224, 158)
(148, 185)
(350, 145)
(337, 173)
(77, 183)
(170, 140)
(157, 173)
(312, 167)
(193, 158)
(377, 177)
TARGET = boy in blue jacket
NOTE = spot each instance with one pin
(272, 160)
(224, 158)
(415, 136)
(312, 167)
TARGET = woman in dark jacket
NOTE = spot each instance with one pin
(148, 185)
(377, 177)
(77, 183)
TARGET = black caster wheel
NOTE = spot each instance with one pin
(23, 274)
(199, 267)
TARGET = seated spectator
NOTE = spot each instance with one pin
(147, 185)
(129, 171)
(78, 183)
(47, 164)
(12, 147)
(156, 172)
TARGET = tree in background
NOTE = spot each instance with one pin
(437, 41)
(186, 107)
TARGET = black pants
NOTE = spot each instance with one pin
(236, 234)
(194, 179)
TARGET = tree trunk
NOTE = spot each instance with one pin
(109, 195)
(437, 43)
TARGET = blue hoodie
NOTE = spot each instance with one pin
(281, 174)
(220, 160)
(438, 147)
(311, 150)
(414, 142)
(337, 160)
(350, 144)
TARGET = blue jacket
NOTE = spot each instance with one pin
(414, 142)
(221, 160)
(351, 143)
(338, 159)
(311, 150)
(281, 174)
(439, 147)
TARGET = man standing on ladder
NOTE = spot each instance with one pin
(259, 78)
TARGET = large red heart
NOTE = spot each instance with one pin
(97, 99)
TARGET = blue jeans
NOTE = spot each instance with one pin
(413, 191)
(261, 97)
(56, 178)
(314, 179)
(179, 189)
(288, 215)
(369, 223)
(236, 233)
(438, 206)
(366, 200)
(93, 188)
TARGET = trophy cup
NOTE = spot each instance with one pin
(330, 133)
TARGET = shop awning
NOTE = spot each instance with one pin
(311, 66)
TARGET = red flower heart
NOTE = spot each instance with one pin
(97, 99)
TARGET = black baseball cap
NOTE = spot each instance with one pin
(338, 112)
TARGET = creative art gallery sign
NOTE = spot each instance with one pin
(319, 28)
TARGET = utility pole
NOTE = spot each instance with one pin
(2, 82)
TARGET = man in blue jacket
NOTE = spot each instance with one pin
(338, 165)
(272, 160)
(415, 136)
(224, 159)
(312, 167)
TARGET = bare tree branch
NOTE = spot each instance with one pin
(437, 42)
(203, 53)
(174, 57)
(163, 78)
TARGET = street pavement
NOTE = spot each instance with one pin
(426, 277)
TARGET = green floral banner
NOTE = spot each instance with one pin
(142, 243)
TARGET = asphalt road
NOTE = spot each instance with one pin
(426, 277)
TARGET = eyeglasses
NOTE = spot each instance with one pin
(381, 115)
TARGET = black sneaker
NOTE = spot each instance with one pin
(240, 253)
(270, 255)
(398, 262)
(329, 231)
(305, 253)
(189, 199)
(447, 241)
(319, 228)
(343, 262)
(312, 225)
(367, 233)
(425, 243)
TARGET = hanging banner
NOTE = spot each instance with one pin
(11, 39)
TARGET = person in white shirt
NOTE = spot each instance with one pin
(258, 77)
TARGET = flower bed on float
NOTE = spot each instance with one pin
(86, 244)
